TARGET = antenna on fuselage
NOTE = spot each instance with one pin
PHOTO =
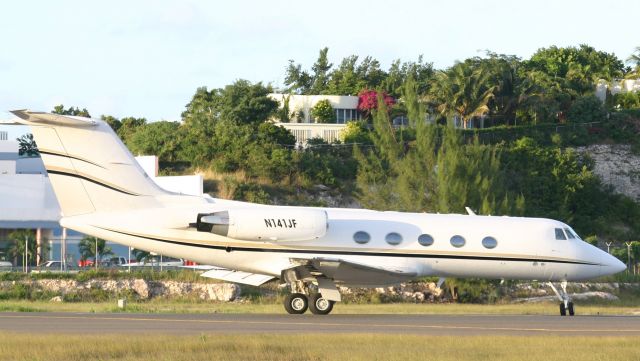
(470, 211)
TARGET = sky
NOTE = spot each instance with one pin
(146, 58)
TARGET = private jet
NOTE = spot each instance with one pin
(103, 192)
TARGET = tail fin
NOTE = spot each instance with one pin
(89, 167)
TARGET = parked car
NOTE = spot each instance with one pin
(52, 265)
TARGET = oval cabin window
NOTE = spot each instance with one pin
(361, 237)
(393, 238)
(425, 240)
(489, 242)
(457, 241)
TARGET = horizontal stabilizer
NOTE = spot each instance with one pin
(30, 117)
(253, 279)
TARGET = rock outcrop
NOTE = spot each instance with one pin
(140, 288)
(616, 165)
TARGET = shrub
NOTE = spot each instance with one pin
(587, 109)
(323, 112)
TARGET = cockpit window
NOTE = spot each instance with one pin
(560, 234)
(570, 234)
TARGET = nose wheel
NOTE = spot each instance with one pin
(566, 304)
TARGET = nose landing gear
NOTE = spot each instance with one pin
(566, 304)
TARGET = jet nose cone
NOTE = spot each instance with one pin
(611, 265)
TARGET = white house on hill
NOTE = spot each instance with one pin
(301, 123)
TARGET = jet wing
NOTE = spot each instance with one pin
(253, 279)
(352, 273)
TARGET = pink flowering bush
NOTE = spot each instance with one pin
(368, 100)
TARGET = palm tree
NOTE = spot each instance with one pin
(17, 248)
(87, 248)
(634, 59)
(463, 90)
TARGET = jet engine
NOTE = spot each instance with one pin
(267, 224)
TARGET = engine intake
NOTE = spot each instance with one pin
(265, 224)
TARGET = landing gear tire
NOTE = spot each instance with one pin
(570, 309)
(319, 305)
(563, 310)
(296, 303)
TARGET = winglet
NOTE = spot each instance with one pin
(470, 211)
(32, 118)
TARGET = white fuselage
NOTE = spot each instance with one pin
(526, 247)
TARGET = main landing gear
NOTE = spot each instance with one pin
(298, 303)
(305, 294)
(566, 304)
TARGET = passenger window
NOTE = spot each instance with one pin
(560, 234)
(489, 242)
(457, 241)
(570, 234)
(393, 238)
(361, 237)
(425, 240)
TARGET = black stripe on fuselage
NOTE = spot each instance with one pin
(94, 181)
(353, 253)
(48, 152)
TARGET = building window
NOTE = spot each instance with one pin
(425, 240)
(393, 238)
(457, 241)
(340, 116)
(346, 115)
(489, 242)
(361, 237)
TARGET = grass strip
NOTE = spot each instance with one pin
(314, 347)
(167, 306)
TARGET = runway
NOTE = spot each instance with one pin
(183, 324)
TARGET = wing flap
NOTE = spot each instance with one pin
(352, 273)
(253, 279)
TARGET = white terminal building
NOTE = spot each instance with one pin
(27, 201)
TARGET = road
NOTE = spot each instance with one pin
(182, 324)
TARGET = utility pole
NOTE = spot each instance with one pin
(608, 246)
(95, 259)
(628, 255)
(63, 249)
(26, 254)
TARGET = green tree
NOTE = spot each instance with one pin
(158, 138)
(587, 109)
(634, 59)
(17, 246)
(59, 109)
(140, 255)
(351, 77)
(113, 122)
(323, 112)
(398, 73)
(437, 173)
(320, 73)
(129, 126)
(575, 70)
(27, 146)
(627, 100)
(463, 90)
(87, 248)
(355, 132)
